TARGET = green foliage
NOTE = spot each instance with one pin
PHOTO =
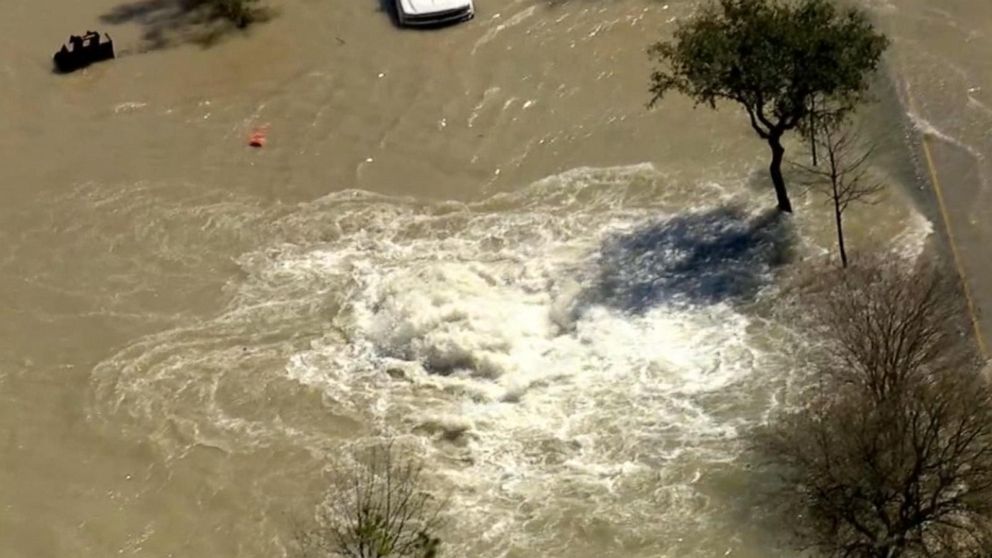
(771, 57)
(778, 60)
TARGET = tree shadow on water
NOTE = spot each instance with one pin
(169, 23)
(707, 257)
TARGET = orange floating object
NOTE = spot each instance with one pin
(257, 138)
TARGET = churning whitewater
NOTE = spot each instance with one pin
(197, 336)
(577, 357)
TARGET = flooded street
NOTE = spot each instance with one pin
(476, 240)
(945, 82)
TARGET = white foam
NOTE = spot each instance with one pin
(495, 30)
(130, 106)
(912, 241)
(495, 358)
(543, 401)
(926, 127)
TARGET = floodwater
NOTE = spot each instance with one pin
(945, 79)
(476, 241)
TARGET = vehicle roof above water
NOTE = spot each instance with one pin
(419, 7)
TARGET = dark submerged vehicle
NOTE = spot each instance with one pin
(85, 51)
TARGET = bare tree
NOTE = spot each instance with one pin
(379, 510)
(889, 324)
(844, 177)
(891, 456)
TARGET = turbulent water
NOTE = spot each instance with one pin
(476, 241)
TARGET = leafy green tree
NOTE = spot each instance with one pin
(787, 64)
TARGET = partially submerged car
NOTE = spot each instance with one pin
(426, 13)
(85, 51)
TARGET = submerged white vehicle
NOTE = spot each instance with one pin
(433, 12)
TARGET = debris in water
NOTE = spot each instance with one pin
(257, 138)
(85, 51)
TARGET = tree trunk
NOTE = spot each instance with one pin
(812, 128)
(838, 217)
(812, 145)
(778, 154)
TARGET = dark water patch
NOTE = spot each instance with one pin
(705, 257)
(169, 23)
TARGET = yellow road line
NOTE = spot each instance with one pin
(939, 191)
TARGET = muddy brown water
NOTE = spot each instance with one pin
(576, 296)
